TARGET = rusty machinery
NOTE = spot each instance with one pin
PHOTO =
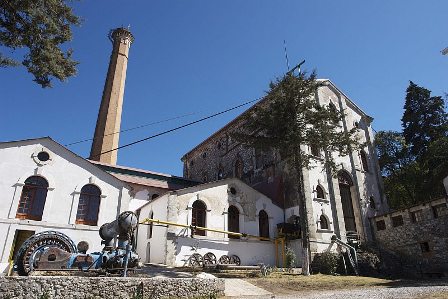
(51, 250)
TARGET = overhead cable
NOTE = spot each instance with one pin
(175, 129)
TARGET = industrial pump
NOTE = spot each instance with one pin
(54, 251)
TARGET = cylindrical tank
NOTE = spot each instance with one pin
(125, 224)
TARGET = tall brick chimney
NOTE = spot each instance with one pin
(109, 116)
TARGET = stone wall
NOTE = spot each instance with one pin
(221, 156)
(108, 287)
(418, 235)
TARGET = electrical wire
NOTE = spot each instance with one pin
(175, 129)
(134, 128)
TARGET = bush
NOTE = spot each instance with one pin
(368, 263)
(290, 258)
(325, 263)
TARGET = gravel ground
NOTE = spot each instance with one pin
(371, 293)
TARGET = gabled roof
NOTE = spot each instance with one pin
(146, 177)
(64, 149)
(326, 82)
(212, 184)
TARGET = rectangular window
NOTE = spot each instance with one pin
(258, 158)
(417, 216)
(424, 246)
(440, 210)
(397, 221)
(380, 225)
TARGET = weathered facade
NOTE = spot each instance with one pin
(228, 205)
(145, 185)
(336, 205)
(44, 186)
(418, 235)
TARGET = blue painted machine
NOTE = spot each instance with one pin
(54, 251)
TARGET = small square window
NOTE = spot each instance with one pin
(380, 225)
(315, 150)
(440, 210)
(424, 246)
(417, 216)
(372, 203)
(397, 221)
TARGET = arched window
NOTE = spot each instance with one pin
(364, 161)
(239, 168)
(32, 199)
(89, 205)
(345, 183)
(204, 177)
(198, 215)
(372, 203)
(151, 216)
(332, 107)
(323, 222)
(258, 158)
(320, 192)
(315, 150)
(344, 178)
(233, 215)
(220, 172)
(154, 196)
(263, 223)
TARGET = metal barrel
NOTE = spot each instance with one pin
(125, 223)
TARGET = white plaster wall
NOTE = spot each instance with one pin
(66, 174)
(141, 195)
(367, 181)
(139, 199)
(157, 242)
(217, 199)
(250, 252)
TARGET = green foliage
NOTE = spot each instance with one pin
(326, 262)
(424, 119)
(290, 258)
(436, 161)
(45, 295)
(290, 115)
(290, 118)
(368, 263)
(414, 163)
(137, 295)
(40, 27)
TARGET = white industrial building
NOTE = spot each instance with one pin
(44, 186)
(228, 205)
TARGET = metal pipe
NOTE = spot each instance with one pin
(149, 220)
(351, 249)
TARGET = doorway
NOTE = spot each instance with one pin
(345, 184)
(20, 236)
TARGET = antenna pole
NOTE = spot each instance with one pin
(286, 55)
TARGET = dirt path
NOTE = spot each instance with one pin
(435, 292)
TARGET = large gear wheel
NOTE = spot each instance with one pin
(30, 251)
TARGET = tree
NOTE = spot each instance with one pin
(290, 117)
(414, 163)
(41, 27)
(436, 163)
(400, 172)
(424, 119)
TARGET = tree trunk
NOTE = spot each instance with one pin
(303, 214)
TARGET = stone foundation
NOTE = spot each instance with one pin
(108, 287)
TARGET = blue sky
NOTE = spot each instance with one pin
(205, 56)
